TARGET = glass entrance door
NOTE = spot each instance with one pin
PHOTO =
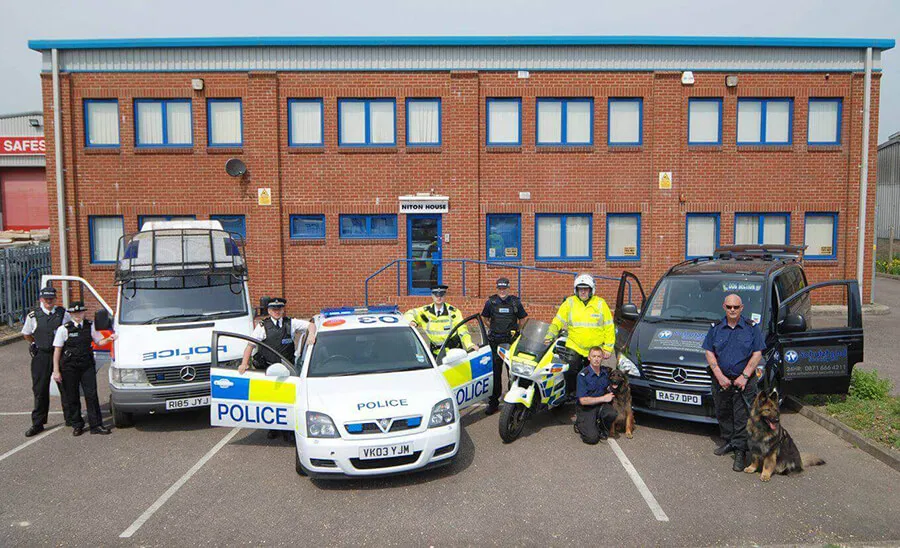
(423, 248)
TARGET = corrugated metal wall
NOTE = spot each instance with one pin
(464, 57)
(887, 202)
(18, 125)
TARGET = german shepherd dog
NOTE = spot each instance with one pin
(618, 385)
(771, 447)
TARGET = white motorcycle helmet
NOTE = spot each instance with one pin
(585, 280)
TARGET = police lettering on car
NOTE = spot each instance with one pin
(504, 311)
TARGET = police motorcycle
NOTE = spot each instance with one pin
(535, 367)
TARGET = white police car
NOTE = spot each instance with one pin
(367, 398)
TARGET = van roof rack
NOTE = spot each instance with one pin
(179, 252)
(765, 252)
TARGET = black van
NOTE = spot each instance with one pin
(658, 340)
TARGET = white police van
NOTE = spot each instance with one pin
(367, 398)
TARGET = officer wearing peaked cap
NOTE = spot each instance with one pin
(39, 329)
(504, 312)
(437, 320)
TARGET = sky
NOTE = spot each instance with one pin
(21, 21)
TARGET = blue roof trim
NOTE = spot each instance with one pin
(377, 41)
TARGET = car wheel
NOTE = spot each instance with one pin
(121, 419)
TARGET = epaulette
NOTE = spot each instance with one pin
(451, 308)
(583, 371)
(31, 314)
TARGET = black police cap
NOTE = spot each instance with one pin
(76, 306)
(502, 282)
(48, 292)
(277, 302)
(439, 289)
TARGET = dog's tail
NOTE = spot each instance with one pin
(808, 459)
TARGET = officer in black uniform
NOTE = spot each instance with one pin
(278, 332)
(39, 329)
(73, 365)
(504, 312)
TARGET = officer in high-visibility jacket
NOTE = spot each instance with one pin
(589, 323)
(437, 319)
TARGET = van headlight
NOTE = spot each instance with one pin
(442, 414)
(523, 369)
(320, 425)
(129, 376)
(628, 366)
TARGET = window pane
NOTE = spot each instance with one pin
(701, 235)
(178, 123)
(149, 123)
(307, 226)
(624, 122)
(549, 237)
(819, 235)
(774, 230)
(105, 234)
(749, 121)
(381, 123)
(306, 123)
(353, 226)
(578, 236)
(503, 122)
(225, 120)
(384, 226)
(504, 237)
(823, 121)
(578, 122)
(423, 120)
(103, 123)
(232, 223)
(778, 121)
(353, 122)
(703, 122)
(549, 121)
(746, 230)
(623, 236)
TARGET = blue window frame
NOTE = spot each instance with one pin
(163, 123)
(566, 237)
(762, 228)
(303, 128)
(820, 236)
(701, 234)
(824, 121)
(369, 227)
(104, 232)
(230, 113)
(101, 123)
(156, 218)
(503, 121)
(625, 123)
(623, 236)
(365, 122)
(504, 237)
(705, 121)
(307, 227)
(564, 122)
(236, 224)
(765, 121)
(423, 124)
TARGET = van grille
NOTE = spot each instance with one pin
(694, 377)
(165, 376)
(194, 392)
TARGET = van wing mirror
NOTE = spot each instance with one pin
(102, 320)
(630, 312)
(793, 323)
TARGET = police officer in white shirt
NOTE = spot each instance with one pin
(40, 327)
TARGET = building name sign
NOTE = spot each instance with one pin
(23, 146)
(424, 204)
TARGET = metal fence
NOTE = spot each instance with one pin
(20, 279)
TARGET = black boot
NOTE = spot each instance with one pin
(740, 458)
(723, 449)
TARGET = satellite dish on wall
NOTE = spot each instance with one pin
(235, 167)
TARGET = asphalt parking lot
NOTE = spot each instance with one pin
(174, 480)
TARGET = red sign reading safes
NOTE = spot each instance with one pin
(23, 145)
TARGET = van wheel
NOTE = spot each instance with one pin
(121, 419)
(298, 466)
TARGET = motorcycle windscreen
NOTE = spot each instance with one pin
(533, 339)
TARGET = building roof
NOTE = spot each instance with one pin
(443, 41)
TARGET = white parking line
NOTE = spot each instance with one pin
(39, 437)
(638, 482)
(132, 529)
(11, 413)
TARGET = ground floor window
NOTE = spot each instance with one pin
(820, 236)
(701, 234)
(563, 237)
(307, 227)
(504, 237)
(761, 228)
(235, 224)
(104, 237)
(368, 226)
(623, 237)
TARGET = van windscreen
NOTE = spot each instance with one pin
(181, 299)
(700, 298)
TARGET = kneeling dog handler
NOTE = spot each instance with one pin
(595, 414)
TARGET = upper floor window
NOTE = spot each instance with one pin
(367, 122)
(423, 122)
(625, 121)
(705, 121)
(764, 121)
(305, 123)
(162, 122)
(824, 122)
(504, 122)
(565, 121)
(225, 122)
(101, 122)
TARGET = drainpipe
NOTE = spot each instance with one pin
(864, 174)
(60, 183)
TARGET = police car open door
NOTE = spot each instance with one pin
(816, 355)
(254, 399)
(469, 374)
(629, 303)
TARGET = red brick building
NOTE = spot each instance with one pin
(592, 154)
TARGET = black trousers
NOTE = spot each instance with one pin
(498, 369)
(594, 419)
(733, 410)
(41, 374)
(576, 362)
(86, 378)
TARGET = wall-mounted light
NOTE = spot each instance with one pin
(731, 81)
(687, 78)
(197, 84)
(34, 122)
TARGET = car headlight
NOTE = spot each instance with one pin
(628, 366)
(320, 425)
(522, 369)
(129, 376)
(442, 414)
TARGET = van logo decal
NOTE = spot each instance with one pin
(223, 383)
(791, 356)
(665, 334)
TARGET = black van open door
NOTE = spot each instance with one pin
(817, 355)
(629, 303)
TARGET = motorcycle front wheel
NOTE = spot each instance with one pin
(512, 421)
